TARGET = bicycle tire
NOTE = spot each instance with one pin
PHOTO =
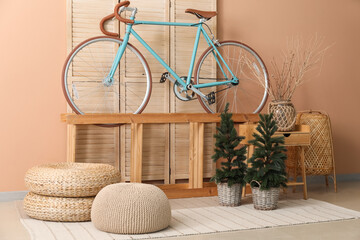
(91, 76)
(253, 105)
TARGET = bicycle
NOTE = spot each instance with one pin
(227, 71)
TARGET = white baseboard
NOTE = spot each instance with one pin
(19, 195)
(12, 196)
(339, 178)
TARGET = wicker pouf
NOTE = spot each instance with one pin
(131, 208)
(70, 179)
(58, 208)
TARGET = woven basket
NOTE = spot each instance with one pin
(58, 208)
(229, 196)
(70, 179)
(319, 156)
(284, 115)
(265, 199)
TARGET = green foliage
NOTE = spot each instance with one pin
(268, 160)
(233, 168)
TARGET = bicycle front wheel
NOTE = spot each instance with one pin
(249, 94)
(89, 89)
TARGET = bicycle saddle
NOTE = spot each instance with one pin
(201, 14)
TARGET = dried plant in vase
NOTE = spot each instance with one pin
(300, 59)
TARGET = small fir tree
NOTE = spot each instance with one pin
(268, 160)
(233, 169)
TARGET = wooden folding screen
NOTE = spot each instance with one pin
(181, 49)
(165, 146)
(93, 144)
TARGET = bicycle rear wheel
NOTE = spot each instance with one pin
(247, 96)
(87, 87)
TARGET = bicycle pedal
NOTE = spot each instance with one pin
(211, 98)
(164, 76)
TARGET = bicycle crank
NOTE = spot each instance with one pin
(182, 94)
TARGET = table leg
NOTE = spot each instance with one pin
(250, 151)
(71, 143)
(192, 152)
(303, 171)
(136, 152)
(196, 155)
(295, 167)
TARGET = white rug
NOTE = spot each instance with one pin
(200, 216)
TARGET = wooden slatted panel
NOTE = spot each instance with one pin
(181, 51)
(184, 37)
(90, 61)
(181, 162)
(156, 136)
(156, 36)
(156, 141)
(96, 145)
(93, 144)
(84, 17)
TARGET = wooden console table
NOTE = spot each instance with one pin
(300, 137)
(196, 187)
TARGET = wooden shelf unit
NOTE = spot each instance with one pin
(196, 187)
(299, 137)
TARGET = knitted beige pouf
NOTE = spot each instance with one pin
(58, 208)
(70, 179)
(131, 208)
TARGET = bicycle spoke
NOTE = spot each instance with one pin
(93, 61)
(237, 56)
(235, 99)
(121, 98)
(98, 104)
(89, 77)
(86, 62)
(89, 92)
(223, 100)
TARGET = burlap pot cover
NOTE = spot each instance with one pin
(229, 196)
(265, 199)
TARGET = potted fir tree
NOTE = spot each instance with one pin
(230, 177)
(267, 172)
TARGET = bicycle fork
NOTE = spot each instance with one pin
(108, 81)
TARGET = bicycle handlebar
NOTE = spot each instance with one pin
(102, 27)
(117, 15)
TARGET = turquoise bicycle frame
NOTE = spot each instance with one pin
(200, 29)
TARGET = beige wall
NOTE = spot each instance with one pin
(32, 51)
(265, 25)
(33, 48)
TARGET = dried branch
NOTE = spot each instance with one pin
(299, 59)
